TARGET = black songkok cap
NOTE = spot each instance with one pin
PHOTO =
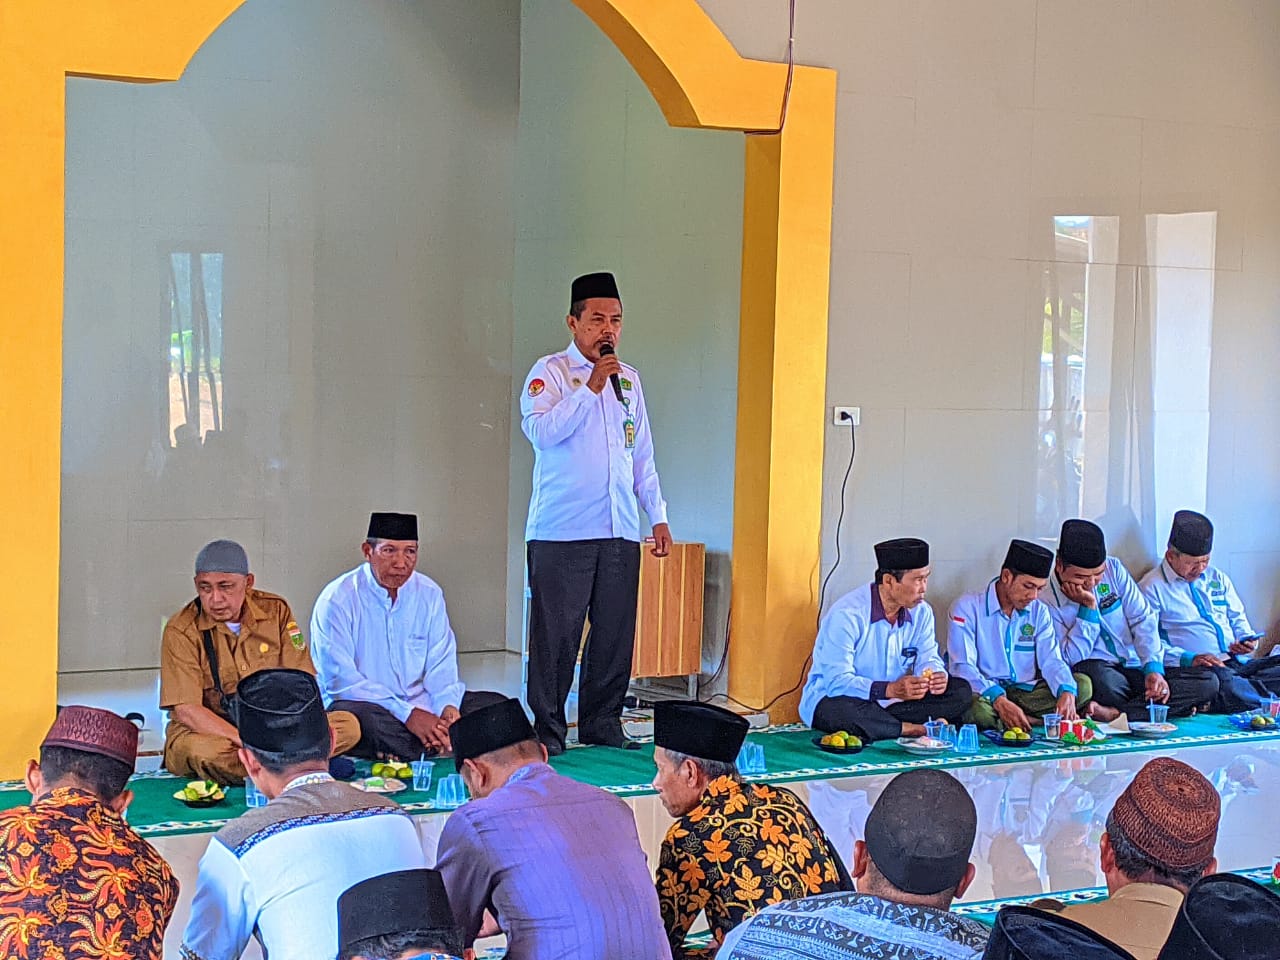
(1029, 558)
(280, 711)
(393, 903)
(594, 285)
(905, 553)
(1224, 917)
(1023, 933)
(489, 728)
(1082, 544)
(1192, 534)
(920, 832)
(393, 526)
(698, 730)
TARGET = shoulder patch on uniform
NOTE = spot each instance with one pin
(536, 387)
(295, 635)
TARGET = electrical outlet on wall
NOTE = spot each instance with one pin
(840, 416)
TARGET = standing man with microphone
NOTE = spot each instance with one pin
(584, 412)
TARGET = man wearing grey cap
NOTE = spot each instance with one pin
(912, 864)
(229, 631)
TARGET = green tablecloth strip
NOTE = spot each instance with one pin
(789, 754)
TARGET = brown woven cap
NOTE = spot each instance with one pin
(1170, 812)
(94, 731)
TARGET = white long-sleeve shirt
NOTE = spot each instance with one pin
(276, 872)
(398, 655)
(593, 464)
(1121, 629)
(992, 651)
(858, 647)
(1200, 616)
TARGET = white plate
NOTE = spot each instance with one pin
(931, 749)
(1151, 731)
(388, 786)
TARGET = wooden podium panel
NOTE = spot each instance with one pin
(669, 612)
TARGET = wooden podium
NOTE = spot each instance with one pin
(669, 612)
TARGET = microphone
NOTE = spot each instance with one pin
(606, 350)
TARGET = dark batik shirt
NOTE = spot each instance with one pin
(852, 926)
(743, 847)
(77, 882)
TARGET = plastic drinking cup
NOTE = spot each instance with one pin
(758, 764)
(948, 735)
(967, 741)
(744, 758)
(1159, 712)
(1052, 726)
(933, 729)
(1272, 706)
(423, 771)
(253, 797)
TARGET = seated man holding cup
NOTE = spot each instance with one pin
(876, 667)
(1001, 641)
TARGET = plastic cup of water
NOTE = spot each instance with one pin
(948, 735)
(757, 759)
(253, 797)
(1052, 726)
(967, 741)
(744, 758)
(1158, 712)
(933, 729)
(423, 770)
(1272, 706)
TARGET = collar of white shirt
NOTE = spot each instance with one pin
(576, 356)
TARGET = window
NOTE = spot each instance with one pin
(194, 394)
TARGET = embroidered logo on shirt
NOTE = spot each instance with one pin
(957, 619)
(1028, 629)
(626, 384)
(1103, 589)
(295, 636)
(1215, 584)
(536, 387)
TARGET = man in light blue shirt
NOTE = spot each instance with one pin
(1001, 641)
(1201, 616)
(1109, 632)
(876, 667)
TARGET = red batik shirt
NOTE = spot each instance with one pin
(77, 882)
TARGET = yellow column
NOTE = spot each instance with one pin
(41, 41)
(782, 368)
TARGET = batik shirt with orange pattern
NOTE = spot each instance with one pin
(743, 847)
(77, 882)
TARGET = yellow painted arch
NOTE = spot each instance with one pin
(698, 80)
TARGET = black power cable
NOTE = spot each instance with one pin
(822, 591)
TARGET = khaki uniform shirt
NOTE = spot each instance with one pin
(1137, 917)
(269, 637)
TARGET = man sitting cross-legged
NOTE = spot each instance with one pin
(1001, 641)
(912, 864)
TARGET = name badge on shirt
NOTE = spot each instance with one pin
(628, 425)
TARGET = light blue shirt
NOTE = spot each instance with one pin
(992, 651)
(398, 655)
(1201, 616)
(857, 647)
(1122, 629)
(593, 465)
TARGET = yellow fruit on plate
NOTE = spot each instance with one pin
(1023, 735)
(1010, 735)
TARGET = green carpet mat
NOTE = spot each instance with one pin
(789, 754)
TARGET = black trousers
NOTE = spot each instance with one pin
(1124, 688)
(1263, 673)
(570, 581)
(383, 737)
(872, 722)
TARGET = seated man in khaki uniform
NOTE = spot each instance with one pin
(227, 632)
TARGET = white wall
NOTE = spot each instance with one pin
(604, 184)
(963, 130)
(353, 163)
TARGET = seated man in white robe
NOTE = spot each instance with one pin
(384, 649)
(876, 671)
